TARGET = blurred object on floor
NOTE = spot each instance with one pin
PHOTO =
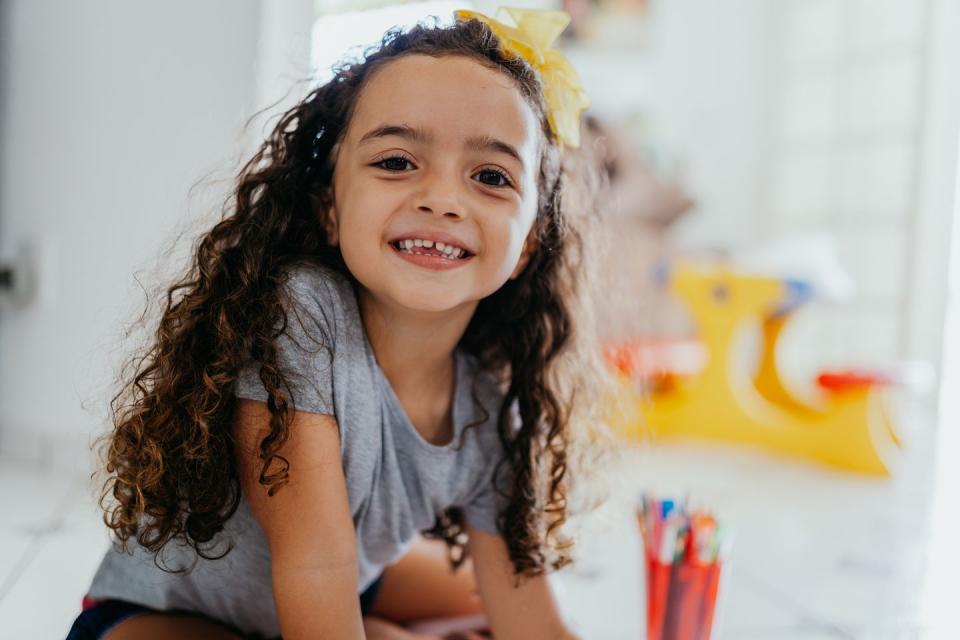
(849, 427)
(636, 193)
(647, 359)
(637, 209)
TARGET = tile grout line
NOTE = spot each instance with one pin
(21, 566)
(785, 599)
(39, 539)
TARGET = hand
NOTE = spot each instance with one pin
(379, 629)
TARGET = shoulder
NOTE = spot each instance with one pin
(317, 281)
(320, 290)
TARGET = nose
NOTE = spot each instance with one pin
(440, 194)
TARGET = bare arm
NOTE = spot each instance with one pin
(527, 612)
(307, 523)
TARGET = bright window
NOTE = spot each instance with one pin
(346, 35)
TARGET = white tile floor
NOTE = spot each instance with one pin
(817, 553)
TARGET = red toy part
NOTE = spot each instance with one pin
(838, 381)
(652, 358)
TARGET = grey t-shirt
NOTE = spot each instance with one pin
(397, 482)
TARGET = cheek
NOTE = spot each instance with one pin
(363, 218)
(507, 244)
(522, 228)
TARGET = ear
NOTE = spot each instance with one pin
(333, 234)
(529, 247)
(330, 219)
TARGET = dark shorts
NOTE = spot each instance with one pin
(99, 616)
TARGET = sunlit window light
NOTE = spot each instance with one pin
(348, 34)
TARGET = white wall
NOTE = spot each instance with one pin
(112, 110)
(709, 101)
(865, 146)
(696, 87)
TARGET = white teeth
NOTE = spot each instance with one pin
(448, 250)
(452, 254)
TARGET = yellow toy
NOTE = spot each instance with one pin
(849, 430)
(772, 387)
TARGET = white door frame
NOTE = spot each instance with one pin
(936, 205)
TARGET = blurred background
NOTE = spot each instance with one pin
(806, 149)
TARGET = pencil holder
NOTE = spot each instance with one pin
(684, 556)
(681, 600)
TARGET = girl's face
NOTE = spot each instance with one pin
(436, 146)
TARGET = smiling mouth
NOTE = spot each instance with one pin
(430, 251)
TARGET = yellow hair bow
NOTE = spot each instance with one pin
(535, 31)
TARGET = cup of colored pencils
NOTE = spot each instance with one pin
(684, 552)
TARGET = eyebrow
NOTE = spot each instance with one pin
(416, 134)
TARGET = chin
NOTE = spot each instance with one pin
(435, 303)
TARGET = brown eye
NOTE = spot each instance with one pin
(398, 163)
(496, 176)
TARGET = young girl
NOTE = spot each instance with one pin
(388, 334)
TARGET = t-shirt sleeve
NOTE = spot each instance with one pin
(304, 348)
(482, 509)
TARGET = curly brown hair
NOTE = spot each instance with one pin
(169, 457)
